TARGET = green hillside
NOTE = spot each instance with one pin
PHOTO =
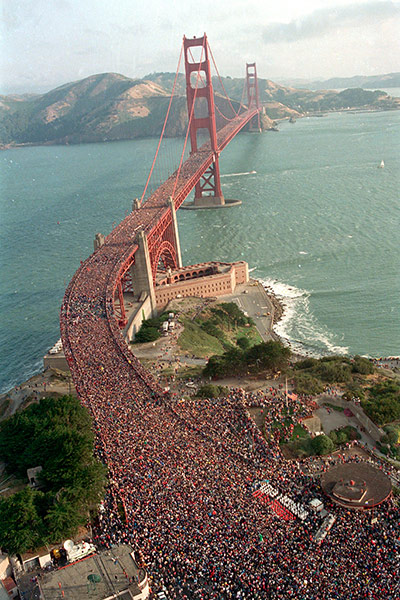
(110, 106)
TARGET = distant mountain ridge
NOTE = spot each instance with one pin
(110, 106)
(388, 80)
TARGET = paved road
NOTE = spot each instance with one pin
(254, 301)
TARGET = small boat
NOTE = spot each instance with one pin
(382, 165)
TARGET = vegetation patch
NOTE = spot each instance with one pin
(268, 356)
(150, 329)
(305, 445)
(312, 375)
(188, 372)
(383, 402)
(390, 441)
(4, 406)
(212, 391)
(197, 341)
(299, 432)
(56, 435)
(216, 330)
(302, 444)
(344, 435)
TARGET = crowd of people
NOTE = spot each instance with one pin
(184, 472)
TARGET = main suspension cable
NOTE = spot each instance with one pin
(164, 126)
(190, 121)
(222, 85)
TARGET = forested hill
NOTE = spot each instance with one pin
(110, 106)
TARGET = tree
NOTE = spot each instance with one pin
(20, 523)
(322, 444)
(55, 434)
(63, 517)
(268, 355)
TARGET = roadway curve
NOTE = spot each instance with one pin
(185, 473)
(89, 329)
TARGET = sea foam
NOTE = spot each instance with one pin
(298, 326)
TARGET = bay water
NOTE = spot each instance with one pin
(319, 224)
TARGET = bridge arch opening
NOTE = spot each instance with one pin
(165, 257)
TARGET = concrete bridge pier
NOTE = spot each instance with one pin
(142, 277)
(176, 232)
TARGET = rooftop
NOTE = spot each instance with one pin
(99, 576)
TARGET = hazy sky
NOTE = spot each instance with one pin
(46, 43)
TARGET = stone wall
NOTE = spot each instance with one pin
(135, 320)
(206, 286)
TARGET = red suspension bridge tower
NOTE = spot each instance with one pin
(148, 237)
(253, 98)
(201, 110)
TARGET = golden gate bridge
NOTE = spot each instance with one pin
(183, 477)
(147, 239)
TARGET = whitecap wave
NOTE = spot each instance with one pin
(298, 326)
(239, 174)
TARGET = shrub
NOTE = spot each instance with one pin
(308, 363)
(353, 390)
(212, 391)
(332, 371)
(243, 343)
(383, 403)
(147, 334)
(362, 365)
(307, 384)
(322, 444)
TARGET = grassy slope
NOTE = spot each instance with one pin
(200, 343)
(193, 339)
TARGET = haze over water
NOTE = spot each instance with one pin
(319, 223)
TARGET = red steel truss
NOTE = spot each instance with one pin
(112, 261)
(210, 181)
(253, 98)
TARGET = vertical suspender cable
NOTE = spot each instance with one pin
(164, 126)
(190, 120)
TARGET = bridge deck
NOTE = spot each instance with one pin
(103, 369)
(88, 327)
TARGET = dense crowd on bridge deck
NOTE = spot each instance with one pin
(185, 472)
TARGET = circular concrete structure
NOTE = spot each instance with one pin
(356, 485)
(193, 206)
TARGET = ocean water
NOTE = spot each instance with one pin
(319, 224)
